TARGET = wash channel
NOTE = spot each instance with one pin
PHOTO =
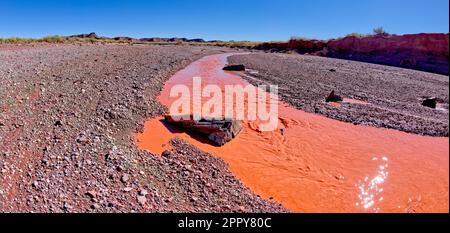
(311, 163)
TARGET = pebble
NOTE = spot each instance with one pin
(91, 194)
(143, 192)
(141, 200)
(67, 206)
(166, 153)
(82, 139)
(125, 178)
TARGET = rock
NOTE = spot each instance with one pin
(153, 39)
(123, 38)
(197, 40)
(92, 35)
(82, 139)
(332, 97)
(220, 138)
(91, 194)
(332, 70)
(166, 153)
(110, 114)
(89, 35)
(218, 132)
(143, 192)
(127, 189)
(176, 39)
(234, 68)
(125, 178)
(430, 102)
(95, 206)
(35, 184)
(141, 200)
(67, 206)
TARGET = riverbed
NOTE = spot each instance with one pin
(311, 163)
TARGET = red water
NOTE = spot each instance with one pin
(319, 164)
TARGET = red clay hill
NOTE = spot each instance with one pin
(425, 51)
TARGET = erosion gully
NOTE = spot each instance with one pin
(317, 164)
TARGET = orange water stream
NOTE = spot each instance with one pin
(320, 164)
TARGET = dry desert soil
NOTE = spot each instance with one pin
(68, 114)
(67, 118)
(389, 97)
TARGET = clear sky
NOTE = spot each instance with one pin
(257, 20)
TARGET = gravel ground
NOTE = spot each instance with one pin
(394, 94)
(67, 117)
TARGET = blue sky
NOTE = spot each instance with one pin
(257, 20)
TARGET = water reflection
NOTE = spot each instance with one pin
(371, 189)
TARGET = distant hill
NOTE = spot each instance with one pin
(425, 51)
(125, 38)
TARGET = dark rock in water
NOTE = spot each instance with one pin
(166, 153)
(430, 102)
(217, 131)
(332, 97)
(220, 138)
(234, 68)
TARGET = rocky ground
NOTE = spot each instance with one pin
(67, 117)
(394, 95)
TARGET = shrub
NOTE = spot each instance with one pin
(380, 31)
(53, 39)
(357, 35)
(15, 40)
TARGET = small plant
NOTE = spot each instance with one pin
(357, 35)
(15, 40)
(379, 31)
(91, 40)
(53, 39)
